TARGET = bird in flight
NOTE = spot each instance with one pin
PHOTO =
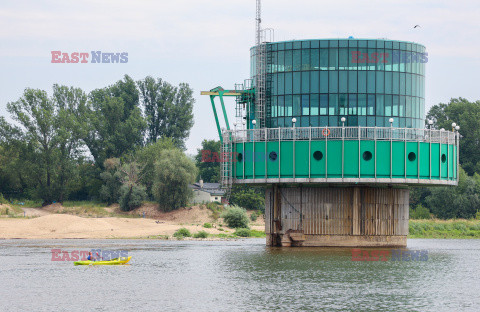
(416, 26)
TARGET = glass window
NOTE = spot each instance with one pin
(414, 84)
(297, 79)
(273, 67)
(323, 43)
(372, 59)
(380, 105)
(371, 82)
(305, 82)
(288, 122)
(343, 43)
(304, 121)
(381, 59)
(305, 44)
(352, 121)
(388, 82)
(371, 104)
(274, 106)
(342, 104)
(314, 59)
(297, 44)
(362, 81)
(314, 104)
(409, 107)
(362, 104)
(362, 43)
(281, 122)
(314, 121)
(362, 121)
(379, 81)
(371, 121)
(352, 81)
(380, 122)
(281, 106)
(352, 43)
(314, 44)
(401, 108)
(396, 83)
(333, 59)
(281, 83)
(323, 121)
(323, 59)
(389, 59)
(297, 105)
(343, 81)
(343, 58)
(388, 105)
(396, 60)
(396, 104)
(323, 104)
(352, 53)
(402, 83)
(288, 83)
(352, 104)
(388, 44)
(288, 105)
(362, 59)
(315, 81)
(274, 84)
(333, 81)
(324, 81)
(333, 104)
(306, 59)
(281, 61)
(288, 60)
(305, 104)
(408, 84)
(297, 59)
(333, 43)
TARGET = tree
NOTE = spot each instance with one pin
(168, 109)
(147, 157)
(112, 181)
(467, 115)
(208, 161)
(48, 135)
(173, 173)
(248, 197)
(132, 193)
(113, 121)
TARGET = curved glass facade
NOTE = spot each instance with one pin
(366, 81)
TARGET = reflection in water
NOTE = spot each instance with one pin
(238, 276)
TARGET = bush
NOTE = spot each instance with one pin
(242, 232)
(420, 212)
(254, 216)
(201, 234)
(477, 215)
(207, 225)
(2, 199)
(248, 197)
(131, 196)
(181, 233)
(235, 217)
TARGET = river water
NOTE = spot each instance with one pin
(241, 275)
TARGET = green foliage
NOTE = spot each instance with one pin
(207, 225)
(420, 212)
(181, 233)
(467, 115)
(173, 173)
(455, 202)
(208, 162)
(113, 121)
(2, 199)
(147, 157)
(131, 196)
(112, 181)
(242, 232)
(168, 109)
(444, 229)
(253, 217)
(477, 215)
(235, 217)
(248, 197)
(200, 234)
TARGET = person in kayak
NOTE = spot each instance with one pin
(90, 256)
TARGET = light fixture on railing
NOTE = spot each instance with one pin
(391, 122)
(294, 120)
(443, 129)
(235, 126)
(343, 119)
(453, 126)
(457, 128)
(430, 123)
(254, 122)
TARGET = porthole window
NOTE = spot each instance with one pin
(444, 158)
(412, 156)
(317, 155)
(367, 155)
(239, 157)
(273, 156)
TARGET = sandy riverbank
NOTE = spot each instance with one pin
(56, 226)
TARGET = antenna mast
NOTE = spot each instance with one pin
(260, 69)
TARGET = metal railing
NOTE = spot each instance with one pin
(340, 133)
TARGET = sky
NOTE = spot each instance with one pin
(206, 43)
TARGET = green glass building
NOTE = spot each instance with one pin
(334, 129)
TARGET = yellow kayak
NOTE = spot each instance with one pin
(116, 261)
